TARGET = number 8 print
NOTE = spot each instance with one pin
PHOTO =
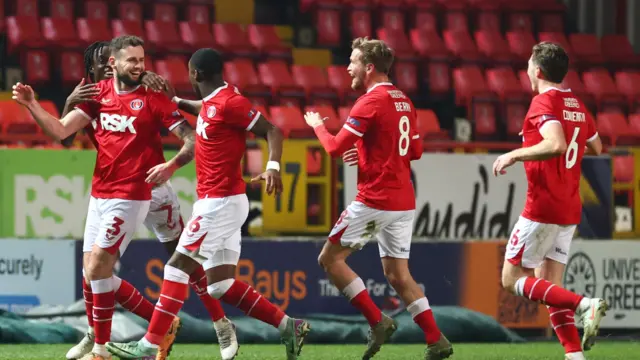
(404, 141)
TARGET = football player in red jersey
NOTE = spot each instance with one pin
(382, 125)
(212, 236)
(127, 119)
(163, 219)
(557, 131)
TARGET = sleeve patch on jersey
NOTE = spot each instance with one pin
(416, 137)
(254, 115)
(544, 124)
(352, 130)
(354, 122)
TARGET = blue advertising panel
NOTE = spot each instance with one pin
(597, 198)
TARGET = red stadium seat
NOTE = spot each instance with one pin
(515, 114)
(27, 8)
(37, 67)
(60, 32)
(504, 82)
(195, 35)
(557, 38)
(328, 26)
(131, 11)
(426, 20)
(163, 36)
(14, 119)
(393, 19)
(600, 83)
(468, 82)
(586, 49)
(623, 168)
(199, 14)
(360, 23)
(484, 120)
(340, 80)
(164, 13)
(614, 129)
(439, 79)
(484, 4)
(634, 122)
(333, 122)
(520, 21)
(572, 81)
(456, 21)
(428, 44)
(343, 113)
(275, 74)
(628, 84)
(149, 63)
(521, 43)
(493, 46)
(242, 73)
(72, 67)
(126, 27)
(174, 69)
(93, 30)
(525, 83)
(23, 32)
(488, 21)
(406, 77)
(429, 126)
(461, 44)
(96, 10)
(552, 22)
(290, 120)
(313, 80)
(2, 16)
(233, 39)
(266, 40)
(527, 5)
(61, 9)
(618, 51)
(398, 41)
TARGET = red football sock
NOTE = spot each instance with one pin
(564, 325)
(169, 304)
(104, 302)
(88, 301)
(367, 307)
(245, 298)
(198, 282)
(131, 299)
(547, 293)
(423, 316)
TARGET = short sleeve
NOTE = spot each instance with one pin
(239, 111)
(166, 111)
(361, 116)
(592, 132)
(541, 112)
(91, 110)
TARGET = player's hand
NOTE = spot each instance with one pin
(313, 119)
(159, 174)
(83, 93)
(23, 94)
(502, 163)
(272, 179)
(154, 81)
(350, 157)
(520, 133)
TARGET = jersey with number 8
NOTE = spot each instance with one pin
(384, 118)
(553, 195)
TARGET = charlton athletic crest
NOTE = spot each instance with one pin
(211, 111)
(136, 104)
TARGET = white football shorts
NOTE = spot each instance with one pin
(164, 218)
(531, 242)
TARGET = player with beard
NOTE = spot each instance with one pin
(128, 119)
(382, 125)
(163, 219)
(212, 237)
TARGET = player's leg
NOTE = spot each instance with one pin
(119, 219)
(394, 243)
(356, 225)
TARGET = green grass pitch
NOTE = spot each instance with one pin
(531, 351)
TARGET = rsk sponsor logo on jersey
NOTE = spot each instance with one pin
(574, 116)
(118, 123)
(571, 102)
(211, 111)
(201, 128)
(136, 104)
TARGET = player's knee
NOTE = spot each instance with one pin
(183, 262)
(325, 260)
(218, 289)
(508, 282)
(398, 280)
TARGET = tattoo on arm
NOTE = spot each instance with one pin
(185, 132)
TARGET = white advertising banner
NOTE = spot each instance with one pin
(457, 196)
(609, 270)
(35, 272)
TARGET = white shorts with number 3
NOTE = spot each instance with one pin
(531, 242)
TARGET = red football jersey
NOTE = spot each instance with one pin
(221, 129)
(385, 120)
(126, 129)
(553, 194)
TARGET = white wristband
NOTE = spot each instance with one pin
(176, 100)
(273, 165)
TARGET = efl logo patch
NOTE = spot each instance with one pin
(354, 122)
(252, 113)
(211, 111)
(136, 104)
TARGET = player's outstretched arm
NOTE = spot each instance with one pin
(163, 172)
(335, 146)
(55, 128)
(81, 94)
(193, 107)
(263, 128)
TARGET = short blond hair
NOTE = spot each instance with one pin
(375, 52)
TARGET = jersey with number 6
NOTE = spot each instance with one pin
(384, 118)
(553, 195)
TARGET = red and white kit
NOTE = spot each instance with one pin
(126, 129)
(553, 207)
(384, 119)
(212, 235)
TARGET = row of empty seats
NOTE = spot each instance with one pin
(514, 5)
